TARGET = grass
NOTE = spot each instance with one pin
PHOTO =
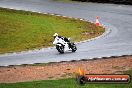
(23, 30)
(64, 83)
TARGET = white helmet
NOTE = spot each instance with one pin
(55, 34)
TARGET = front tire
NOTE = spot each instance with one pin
(60, 48)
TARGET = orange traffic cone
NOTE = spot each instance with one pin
(97, 21)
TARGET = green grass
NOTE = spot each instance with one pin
(22, 30)
(64, 83)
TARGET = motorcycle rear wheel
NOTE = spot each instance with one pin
(73, 47)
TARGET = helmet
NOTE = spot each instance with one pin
(55, 34)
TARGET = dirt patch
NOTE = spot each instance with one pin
(113, 65)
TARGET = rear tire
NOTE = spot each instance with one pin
(73, 47)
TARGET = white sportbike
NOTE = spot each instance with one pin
(63, 46)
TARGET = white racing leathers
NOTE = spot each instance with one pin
(63, 46)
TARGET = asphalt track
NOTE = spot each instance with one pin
(117, 18)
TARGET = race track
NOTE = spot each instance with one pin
(118, 42)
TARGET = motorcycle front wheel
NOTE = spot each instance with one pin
(60, 48)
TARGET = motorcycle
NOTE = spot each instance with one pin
(63, 46)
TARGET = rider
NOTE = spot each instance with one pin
(63, 38)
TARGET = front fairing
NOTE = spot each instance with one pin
(58, 40)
